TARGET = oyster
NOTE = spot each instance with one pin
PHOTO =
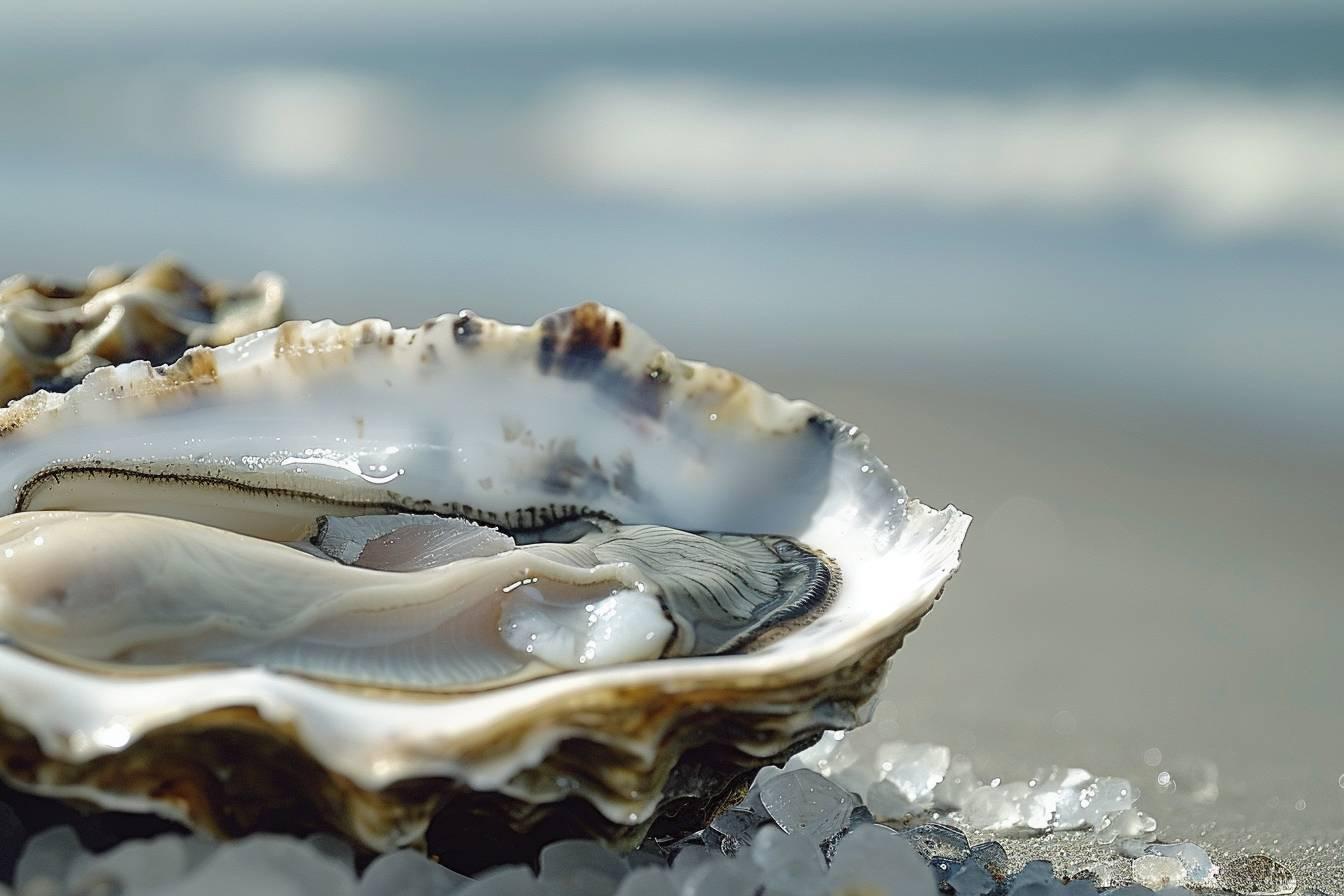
(520, 582)
(52, 333)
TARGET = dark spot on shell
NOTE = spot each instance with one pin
(566, 472)
(59, 290)
(624, 481)
(825, 426)
(574, 342)
(546, 347)
(368, 333)
(467, 329)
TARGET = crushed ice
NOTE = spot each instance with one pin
(903, 780)
(799, 831)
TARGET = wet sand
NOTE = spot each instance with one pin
(1132, 585)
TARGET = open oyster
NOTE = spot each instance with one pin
(53, 333)
(526, 582)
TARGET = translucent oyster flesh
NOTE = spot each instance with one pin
(753, 561)
(461, 605)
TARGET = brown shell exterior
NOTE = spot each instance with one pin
(230, 772)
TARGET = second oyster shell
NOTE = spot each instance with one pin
(53, 333)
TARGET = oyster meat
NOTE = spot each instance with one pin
(484, 584)
(53, 333)
(471, 608)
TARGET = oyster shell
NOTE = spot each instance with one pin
(53, 333)
(568, 436)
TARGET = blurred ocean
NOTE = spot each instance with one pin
(1078, 267)
(1150, 209)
